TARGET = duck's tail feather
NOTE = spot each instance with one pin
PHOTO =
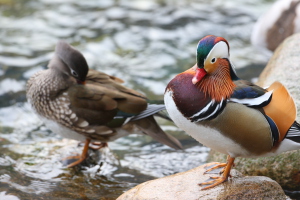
(152, 109)
(163, 114)
(150, 127)
(294, 132)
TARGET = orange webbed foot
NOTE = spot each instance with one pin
(215, 168)
(72, 161)
(225, 171)
(75, 160)
(212, 182)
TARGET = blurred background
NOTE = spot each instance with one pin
(144, 42)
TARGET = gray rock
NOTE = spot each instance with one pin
(184, 185)
(284, 66)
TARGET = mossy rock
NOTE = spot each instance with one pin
(283, 168)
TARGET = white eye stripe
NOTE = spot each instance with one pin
(220, 50)
(74, 73)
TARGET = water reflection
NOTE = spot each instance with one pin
(145, 43)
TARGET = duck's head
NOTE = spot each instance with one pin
(212, 52)
(69, 61)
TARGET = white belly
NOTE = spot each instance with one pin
(62, 130)
(70, 134)
(207, 136)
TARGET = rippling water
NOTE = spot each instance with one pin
(145, 43)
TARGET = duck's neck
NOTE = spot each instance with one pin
(219, 84)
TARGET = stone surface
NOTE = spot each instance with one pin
(284, 66)
(283, 168)
(185, 186)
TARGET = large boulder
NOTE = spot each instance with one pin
(184, 185)
(284, 66)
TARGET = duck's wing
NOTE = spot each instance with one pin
(274, 102)
(250, 94)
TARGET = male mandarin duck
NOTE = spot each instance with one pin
(89, 105)
(230, 115)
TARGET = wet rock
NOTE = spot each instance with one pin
(284, 168)
(185, 186)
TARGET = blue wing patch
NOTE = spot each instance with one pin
(250, 94)
(246, 93)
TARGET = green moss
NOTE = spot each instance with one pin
(283, 168)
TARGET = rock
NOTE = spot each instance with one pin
(284, 66)
(283, 168)
(184, 185)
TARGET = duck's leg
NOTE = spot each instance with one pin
(215, 165)
(221, 179)
(80, 158)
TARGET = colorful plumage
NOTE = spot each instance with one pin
(230, 115)
(88, 105)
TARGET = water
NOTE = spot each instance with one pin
(145, 43)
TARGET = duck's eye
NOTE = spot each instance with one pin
(213, 60)
(74, 73)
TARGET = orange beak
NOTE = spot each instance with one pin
(80, 82)
(200, 73)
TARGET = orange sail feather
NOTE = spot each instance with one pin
(282, 104)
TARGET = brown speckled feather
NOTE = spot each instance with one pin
(98, 102)
(111, 82)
